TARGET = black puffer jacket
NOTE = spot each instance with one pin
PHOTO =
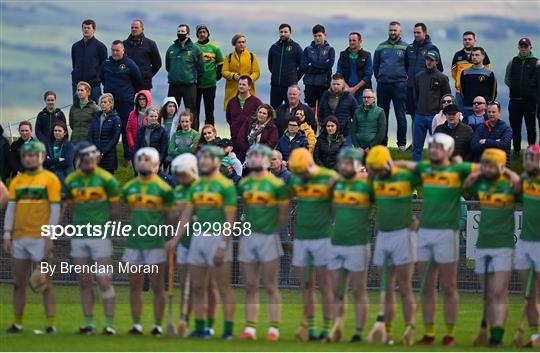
(145, 53)
(326, 150)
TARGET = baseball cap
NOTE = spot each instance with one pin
(525, 41)
(432, 54)
(227, 162)
(451, 109)
(225, 143)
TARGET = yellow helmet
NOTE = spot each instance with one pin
(300, 160)
(378, 158)
(494, 155)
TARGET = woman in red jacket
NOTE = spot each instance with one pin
(137, 117)
(260, 129)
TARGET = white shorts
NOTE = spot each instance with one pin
(399, 245)
(182, 254)
(318, 248)
(527, 252)
(441, 245)
(501, 260)
(352, 258)
(28, 249)
(203, 248)
(91, 248)
(144, 256)
(259, 247)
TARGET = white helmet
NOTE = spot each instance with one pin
(446, 141)
(150, 152)
(185, 163)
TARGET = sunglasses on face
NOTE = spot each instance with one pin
(478, 103)
(447, 101)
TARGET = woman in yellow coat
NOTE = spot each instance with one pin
(239, 63)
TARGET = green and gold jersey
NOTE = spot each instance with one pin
(90, 195)
(352, 206)
(149, 201)
(313, 204)
(180, 196)
(393, 196)
(210, 198)
(442, 192)
(261, 197)
(497, 200)
(212, 57)
(530, 229)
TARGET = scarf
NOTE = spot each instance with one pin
(256, 130)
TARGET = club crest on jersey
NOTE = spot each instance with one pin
(122, 67)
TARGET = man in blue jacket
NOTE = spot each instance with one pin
(87, 56)
(356, 65)
(122, 78)
(317, 61)
(416, 61)
(284, 58)
(494, 133)
(390, 69)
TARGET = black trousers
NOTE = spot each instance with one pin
(123, 109)
(517, 110)
(209, 96)
(189, 94)
(313, 94)
(278, 95)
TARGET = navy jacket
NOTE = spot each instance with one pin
(60, 168)
(121, 77)
(145, 53)
(390, 61)
(344, 111)
(106, 138)
(284, 59)
(283, 114)
(317, 62)
(416, 59)
(86, 59)
(159, 139)
(44, 121)
(285, 145)
(501, 132)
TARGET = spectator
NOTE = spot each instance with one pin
(261, 129)
(153, 135)
(241, 108)
(460, 132)
(430, 86)
(287, 110)
(462, 60)
(185, 65)
(49, 115)
(477, 80)
(82, 113)
(144, 52)
(238, 64)
(494, 133)
(317, 61)
(168, 115)
(228, 170)
(329, 143)
(440, 118)
(137, 118)
(227, 147)
(284, 59)
(213, 64)
(306, 129)
(479, 115)
(521, 78)
(356, 65)
(121, 77)
(416, 61)
(291, 139)
(25, 135)
(105, 132)
(60, 152)
(184, 139)
(5, 168)
(87, 57)
(390, 70)
(278, 168)
(338, 102)
(369, 123)
(208, 137)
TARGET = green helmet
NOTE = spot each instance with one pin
(213, 151)
(351, 153)
(260, 148)
(32, 146)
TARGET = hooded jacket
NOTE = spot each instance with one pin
(184, 63)
(498, 136)
(368, 127)
(145, 53)
(284, 58)
(390, 61)
(86, 60)
(244, 64)
(317, 62)
(106, 138)
(416, 59)
(133, 119)
(80, 120)
(176, 117)
(344, 110)
(121, 77)
(285, 144)
(327, 149)
(44, 121)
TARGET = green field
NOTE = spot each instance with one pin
(69, 317)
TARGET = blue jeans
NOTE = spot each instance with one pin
(459, 101)
(348, 141)
(395, 92)
(95, 93)
(422, 124)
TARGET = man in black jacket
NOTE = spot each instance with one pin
(460, 132)
(521, 78)
(284, 58)
(288, 110)
(87, 56)
(144, 52)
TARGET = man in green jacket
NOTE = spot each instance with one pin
(185, 65)
(369, 123)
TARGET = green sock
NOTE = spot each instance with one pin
(51, 321)
(228, 327)
(18, 320)
(89, 320)
(210, 323)
(430, 329)
(388, 328)
(136, 320)
(535, 329)
(157, 322)
(496, 333)
(274, 324)
(199, 326)
(327, 325)
(109, 319)
(311, 326)
(450, 330)
(251, 324)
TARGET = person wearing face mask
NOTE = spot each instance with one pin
(153, 134)
(49, 115)
(185, 66)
